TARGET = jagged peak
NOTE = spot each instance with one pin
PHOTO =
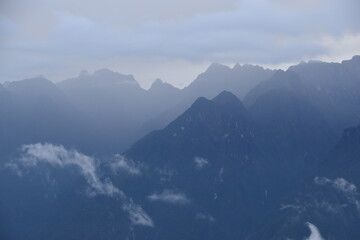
(226, 96)
(227, 99)
(200, 102)
(217, 67)
(238, 66)
(159, 84)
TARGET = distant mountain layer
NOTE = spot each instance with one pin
(106, 110)
(333, 88)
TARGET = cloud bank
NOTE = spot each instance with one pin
(59, 38)
(57, 156)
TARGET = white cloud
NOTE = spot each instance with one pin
(120, 163)
(298, 208)
(342, 185)
(315, 233)
(200, 162)
(170, 196)
(57, 156)
(137, 214)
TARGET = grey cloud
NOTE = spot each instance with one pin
(263, 32)
(170, 196)
(57, 156)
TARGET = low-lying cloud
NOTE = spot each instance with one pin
(200, 162)
(343, 186)
(205, 217)
(315, 233)
(170, 196)
(120, 163)
(32, 155)
(317, 202)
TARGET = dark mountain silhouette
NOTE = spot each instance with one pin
(266, 155)
(212, 148)
(201, 130)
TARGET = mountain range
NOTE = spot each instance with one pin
(240, 153)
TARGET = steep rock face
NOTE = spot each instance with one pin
(229, 162)
(211, 152)
(201, 130)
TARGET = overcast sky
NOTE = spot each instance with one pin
(170, 39)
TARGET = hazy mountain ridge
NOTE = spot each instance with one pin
(333, 88)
